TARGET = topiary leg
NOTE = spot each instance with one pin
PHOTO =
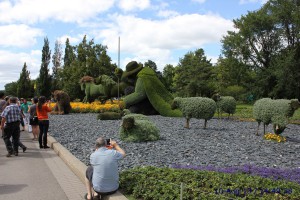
(187, 125)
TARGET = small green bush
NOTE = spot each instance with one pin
(109, 116)
(142, 131)
(226, 104)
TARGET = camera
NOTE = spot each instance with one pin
(107, 142)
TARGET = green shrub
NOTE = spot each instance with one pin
(164, 183)
(196, 107)
(143, 130)
(226, 104)
(278, 112)
(126, 112)
(109, 116)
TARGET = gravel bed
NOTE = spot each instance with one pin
(224, 143)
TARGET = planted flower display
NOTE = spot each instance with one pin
(276, 137)
(94, 107)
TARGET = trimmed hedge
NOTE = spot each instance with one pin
(109, 116)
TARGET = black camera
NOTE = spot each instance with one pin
(107, 142)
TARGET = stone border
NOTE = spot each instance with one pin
(77, 167)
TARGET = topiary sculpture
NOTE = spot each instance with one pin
(62, 105)
(277, 112)
(226, 104)
(195, 107)
(151, 94)
(137, 128)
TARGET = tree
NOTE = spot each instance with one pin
(11, 89)
(168, 77)
(194, 75)
(24, 88)
(44, 79)
(268, 42)
(56, 69)
(69, 56)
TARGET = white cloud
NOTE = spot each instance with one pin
(131, 5)
(155, 39)
(199, 1)
(73, 40)
(19, 35)
(253, 1)
(32, 11)
(167, 13)
(11, 65)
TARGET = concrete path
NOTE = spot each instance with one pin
(37, 174)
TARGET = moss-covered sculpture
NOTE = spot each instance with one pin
(104, 87)
(62, 105)
(137, 128)
(151, 92)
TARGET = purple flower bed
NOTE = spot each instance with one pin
(265, 172)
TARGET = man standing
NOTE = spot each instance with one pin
(25, 107)
(10, 125)
(103, 176)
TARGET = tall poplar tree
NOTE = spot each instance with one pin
(24, 87)
(44, 79)
(56, 69)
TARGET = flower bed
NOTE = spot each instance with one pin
(276, 137)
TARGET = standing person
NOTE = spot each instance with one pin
(25, 108)
(103, 176)
(34, 123)
(22, 114)
(10, 124)
(42, 110)
(2, 106)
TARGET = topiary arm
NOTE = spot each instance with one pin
(138, 95)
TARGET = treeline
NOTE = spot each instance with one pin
(261, 58)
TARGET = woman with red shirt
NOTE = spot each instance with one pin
(42, 110)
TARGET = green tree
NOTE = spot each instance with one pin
(24, 88)
(69, 55)
(168, 77)
(56, 69)
(11, 89)
(267, 41)
(44, 79)
(194, 75)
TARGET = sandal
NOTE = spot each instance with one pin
(85, 197)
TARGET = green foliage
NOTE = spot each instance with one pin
(11, 89)
(24, 84)
(196, 107)
(109, 116)
(56, 69)
(160, 98)
(164, 183)
(44, 79)
(277, 111)
(194, 75)
(142, 131)
(227, 104)
(237, 92)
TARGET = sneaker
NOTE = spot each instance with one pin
(16, 153)
(24, 149)
(8, 155)
(41, 147)
(46, 147)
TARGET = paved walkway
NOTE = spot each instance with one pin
(37, 174)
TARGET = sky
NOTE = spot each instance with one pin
(159, 30)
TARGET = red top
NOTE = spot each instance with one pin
(43, 114)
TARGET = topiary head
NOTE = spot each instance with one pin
(128, 123)
(175, 103)
(278, 129)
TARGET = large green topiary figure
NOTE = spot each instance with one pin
(149, 88)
